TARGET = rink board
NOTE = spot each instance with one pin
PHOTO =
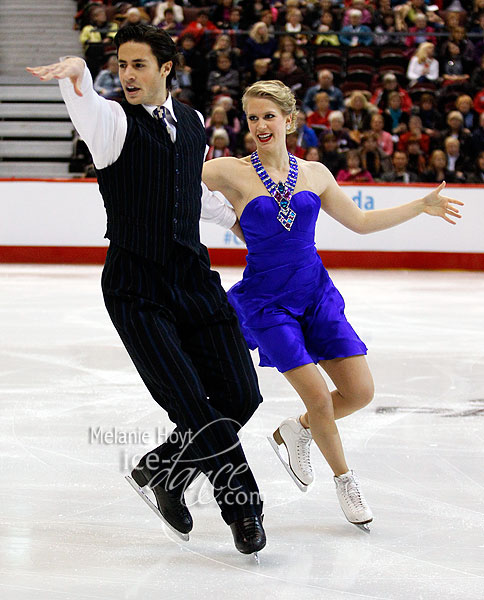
(63, 221)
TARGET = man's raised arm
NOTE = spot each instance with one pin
(101, 123)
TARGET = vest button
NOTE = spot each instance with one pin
(175, 221)
(174, 236)
(176, 205)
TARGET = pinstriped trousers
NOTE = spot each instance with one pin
(185, 341)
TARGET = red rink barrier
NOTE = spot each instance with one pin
(235, 257)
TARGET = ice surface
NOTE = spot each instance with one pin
(73, 529)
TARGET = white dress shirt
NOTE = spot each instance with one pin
(103, 125)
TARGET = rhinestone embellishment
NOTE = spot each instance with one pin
(281, 192)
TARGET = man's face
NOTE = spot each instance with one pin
(113, 64)
(452, 147)
(234, 16)
(143, 81)
(389, 83)
(188, 43)
(399, 161)
(223, 63)
(325, 80)
(355, 20)
(99, 16)
(301, 119)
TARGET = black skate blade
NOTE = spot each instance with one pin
(275, 447)
(183, 536)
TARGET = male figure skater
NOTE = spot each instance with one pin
(168, 307)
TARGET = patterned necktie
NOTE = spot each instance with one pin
(160, 114)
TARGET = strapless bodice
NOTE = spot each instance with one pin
(269, 244)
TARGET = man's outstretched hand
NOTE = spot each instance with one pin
(70, 67)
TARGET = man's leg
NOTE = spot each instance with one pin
(221, 357)
(154, 346)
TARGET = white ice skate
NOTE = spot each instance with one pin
(297, 440)
(352, 501)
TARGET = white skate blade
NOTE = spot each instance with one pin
(275, 447)
(183, 536)
(256, 557)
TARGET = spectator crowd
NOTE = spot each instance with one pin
(388, 90)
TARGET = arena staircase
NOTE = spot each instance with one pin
(35, 131)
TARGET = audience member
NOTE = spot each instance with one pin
(423, 66)
(107, 83)
(353, 172)
(400, 172)
(325, 84)
(355, 34)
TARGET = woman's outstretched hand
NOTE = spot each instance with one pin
(70, 67)
(441, 206)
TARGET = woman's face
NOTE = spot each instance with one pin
(395, 102)
(219, 143)
(218, 116)
(312, 154)
(429, 51)
(322, 102)
(454, 123)
(267, 123)
(223, 42)
(288, 45)
(439, 160)
(261, 31)
(357, 103)
(415, 123)
(353, 161)
(336, 124)
(370, 144)
(464, 105)
(377, 123)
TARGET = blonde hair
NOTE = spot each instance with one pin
(278, 93)
(254, 32)
(219, 132)
(357, 94)
(463, 98)
(421, 52)
(219, 109)
(455, 114)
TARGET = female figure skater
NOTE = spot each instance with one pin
(286, 302)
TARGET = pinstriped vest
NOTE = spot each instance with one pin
(152, 192)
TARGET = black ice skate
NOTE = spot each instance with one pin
(249, 535)
(169, 508)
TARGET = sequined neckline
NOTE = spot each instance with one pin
(281, 192)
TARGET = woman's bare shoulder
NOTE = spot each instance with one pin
(225, 165)
(317, 176)
(229, 175)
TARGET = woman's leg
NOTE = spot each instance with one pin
(354, 385)
(309, 383)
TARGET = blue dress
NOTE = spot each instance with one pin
(287, 305)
